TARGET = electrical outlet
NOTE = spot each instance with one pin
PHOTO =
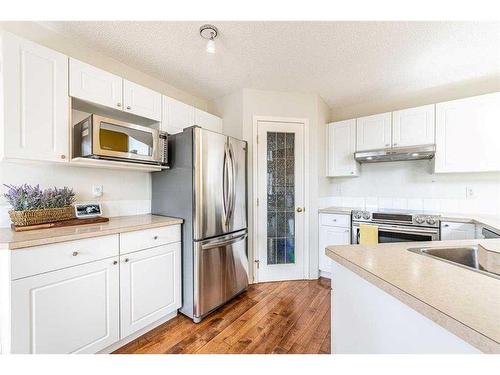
(97, 190)
(469, 192)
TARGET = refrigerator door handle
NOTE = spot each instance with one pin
(211, 245)
(225, 185)
(232, 185)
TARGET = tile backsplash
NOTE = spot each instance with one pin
(440, 205)
(413, 185)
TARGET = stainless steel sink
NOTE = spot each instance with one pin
(465, 257)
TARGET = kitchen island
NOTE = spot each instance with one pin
(386, 299)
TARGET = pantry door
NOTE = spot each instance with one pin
(280, 206)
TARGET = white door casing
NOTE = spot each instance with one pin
(281, 267)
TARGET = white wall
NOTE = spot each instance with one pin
(387, 102)
(412, 185)
(125, 192)
(238, 111)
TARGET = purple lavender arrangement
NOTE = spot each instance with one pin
(27, 197)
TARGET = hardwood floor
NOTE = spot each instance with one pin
(277, 317)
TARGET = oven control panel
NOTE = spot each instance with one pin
(426, 220)
(398, 218)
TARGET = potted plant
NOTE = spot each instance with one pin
(32, 205)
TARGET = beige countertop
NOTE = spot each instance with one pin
(11, 240)
(465, 302)
(339, 210)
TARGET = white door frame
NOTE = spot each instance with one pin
(255, 189)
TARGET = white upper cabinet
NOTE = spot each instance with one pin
(35, 101)
(94, 85)
(141, 101)
(373, 132)
(341, 148)
(176, 115)
(467, 134)
(413, 126)
(207, 120)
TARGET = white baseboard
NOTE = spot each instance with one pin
(133, 336)
(328, 275)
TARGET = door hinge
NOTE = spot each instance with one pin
(258, 263)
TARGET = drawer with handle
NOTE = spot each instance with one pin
(45, 258)
(335, 220)
(147, 238)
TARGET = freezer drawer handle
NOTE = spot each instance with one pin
(230, 241)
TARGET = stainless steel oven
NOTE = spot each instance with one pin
(105, 138)
(397, 226)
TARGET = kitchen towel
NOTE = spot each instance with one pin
(368, 234)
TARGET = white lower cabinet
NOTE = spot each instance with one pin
(74, 301)
(457, 231)
(150, 286)
(334, 230)
(73, 310)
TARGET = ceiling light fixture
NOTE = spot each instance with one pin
(209, 32)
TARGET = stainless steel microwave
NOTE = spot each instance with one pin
(104, 138)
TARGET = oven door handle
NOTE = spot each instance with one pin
(398, 229)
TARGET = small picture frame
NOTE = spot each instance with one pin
(87, 210)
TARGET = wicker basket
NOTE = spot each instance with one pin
(49, 215)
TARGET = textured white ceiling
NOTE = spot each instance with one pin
(347, 63)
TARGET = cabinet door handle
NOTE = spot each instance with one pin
(75, 253)
(129, 107)
(387, 145)
(395, 144)
(118, 105)
(126, 260)
(446, 225)
(155, 237)
(63, 157)
(115, 262)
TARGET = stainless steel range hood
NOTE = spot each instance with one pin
(396, 154)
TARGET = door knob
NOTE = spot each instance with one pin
(300, 209)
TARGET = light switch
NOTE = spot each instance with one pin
(97, 190)
(469, 192)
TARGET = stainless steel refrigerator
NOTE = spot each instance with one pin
(206, 185)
